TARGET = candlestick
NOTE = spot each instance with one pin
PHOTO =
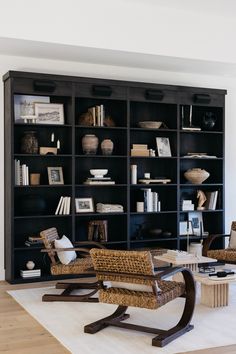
(52, 137)
(58, 144)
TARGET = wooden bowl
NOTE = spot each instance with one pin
(150, 124)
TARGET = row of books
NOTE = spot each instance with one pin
(151, 200)
(34, 273)
(211, 200)
(63, 207)
(34, 241)
(21, 174)
(98, 114)
(140, 150)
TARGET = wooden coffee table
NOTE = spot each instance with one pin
(191, 263)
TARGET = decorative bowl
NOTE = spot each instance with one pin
(98, 173)
(155, 232)
(150, 124)
(196, 175)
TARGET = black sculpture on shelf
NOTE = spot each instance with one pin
(208, 121)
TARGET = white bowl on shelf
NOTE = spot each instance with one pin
(150, 124)
(98, 173)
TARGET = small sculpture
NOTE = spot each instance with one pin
(30, 265)
(201, 196)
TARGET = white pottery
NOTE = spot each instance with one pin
(30, 265)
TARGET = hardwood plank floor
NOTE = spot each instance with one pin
(22, 334)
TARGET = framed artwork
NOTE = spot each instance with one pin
(84, 205)
(163, 146)
(55, 175)
(49, 113)
(197, 223)
(185, 228)
(24, 106)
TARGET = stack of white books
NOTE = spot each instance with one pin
(109, 208)
(63, 207)
(151, 200)
(21, 174)
(34, 273)
(99, 180)
(187, 205)
(178, 255)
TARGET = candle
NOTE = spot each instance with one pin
(52, 137)
(58, 144)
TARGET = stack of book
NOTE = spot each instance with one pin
(109, 208)
(177, 255)
(151, 200)
(139, 150)
(34, 273)
(21, 174)
(187, 205)
(211, 200)
(98, 114)
(34, 241)
(63, 207)
(99, 180)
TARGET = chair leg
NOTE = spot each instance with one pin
(118, 315)
(183, 325)
(69, 287)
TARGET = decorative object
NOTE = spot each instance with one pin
(163, 147)
(150, 124)
(89, 144)
(49, 113)
(44, 150)
(133, 174)
(185, 228)
(208, 121)
(55, 175)
(201, 196)
(154, 180)
(33, 204)
(98, 173)
(34, 179)
(108, 122)
(197, 223)
(195, 248)
(140, 207)
(107, 147)
(189, 126)
(24, 107)
(97, 230)
(30, 265)
(84, 205)
(86, 119)
(65, 257)
(109, 208)
(155, 232)
(29, 143)
(196, 175)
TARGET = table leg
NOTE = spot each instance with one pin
(215, 295)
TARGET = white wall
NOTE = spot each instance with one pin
(123, 73)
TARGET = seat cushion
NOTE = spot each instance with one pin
(78, 266)
(232, 241)
(169, 291)
(228, 255)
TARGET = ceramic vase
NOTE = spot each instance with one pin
(208, 121)
(90, 144)
(29, 143)
(196, 175)
(107, 147)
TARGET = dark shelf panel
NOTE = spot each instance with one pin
(102, 156)
(99, 214)
(202, 211)
(153, 130)
(100, 128)
(201, 185)
(100, 185)
(154, 212)
(45, 186)
(200, 132)
(153, 157)
(41, 216)
(154, 240)
(201, 158)
(145, 185)
(43, 156)
(34, 125)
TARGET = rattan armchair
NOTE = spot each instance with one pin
(136, 269)
(227, 255)
(81, 266)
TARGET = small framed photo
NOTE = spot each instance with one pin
(163, 146)
(197, 222)
(24, 106)
(49, 113)
(55, 175)
(84, 205)
(185, 228)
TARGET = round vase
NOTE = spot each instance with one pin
(33, 205)
(29, 143)
(90, 144)
(107, 146)
(30, 265)
(196, 175)
(208, 121)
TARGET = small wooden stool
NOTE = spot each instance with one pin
(97, 230)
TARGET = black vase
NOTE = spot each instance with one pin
(32, 205)
(208, 121)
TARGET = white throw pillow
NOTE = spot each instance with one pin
(232, 241)
(130, 286)
(65, 257)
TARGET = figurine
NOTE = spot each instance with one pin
(201, 196)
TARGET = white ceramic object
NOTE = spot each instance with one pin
(150, 124)
(30, 265)
(98, 173)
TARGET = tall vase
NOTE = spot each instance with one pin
(89, 144)
(29, 143)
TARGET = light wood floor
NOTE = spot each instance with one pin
(22, 334)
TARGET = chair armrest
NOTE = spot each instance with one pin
(169, 272)
(90, 243)
(208, 241)
(48, 250)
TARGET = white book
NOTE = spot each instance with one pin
(62, 206)
(18, 173)
(149, 200)
(155, 201)
(58, 206)
(68, 206)
(24, 174)
(64, 212)
(214, 200)
(27, 175)
(102, 114)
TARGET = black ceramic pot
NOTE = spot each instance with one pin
(33, 205)
(208, 121)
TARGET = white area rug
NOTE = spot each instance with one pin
(65, 321)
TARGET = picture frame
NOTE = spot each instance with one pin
(49, 113)
(197, 222)
(55, 175)
(24, 106)
(163, 146)
(84, 205)
(185, 228)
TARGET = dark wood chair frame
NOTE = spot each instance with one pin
(163, 336)
(69, 286)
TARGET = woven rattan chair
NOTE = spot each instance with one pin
(227, 255)
(136, 269)
(81, 266)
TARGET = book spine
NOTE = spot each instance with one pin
(133, 174)
(62, 206)
(155, 201)
(149, 200)
(102, 114)
(58, 206)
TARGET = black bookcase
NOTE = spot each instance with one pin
(127, 103)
